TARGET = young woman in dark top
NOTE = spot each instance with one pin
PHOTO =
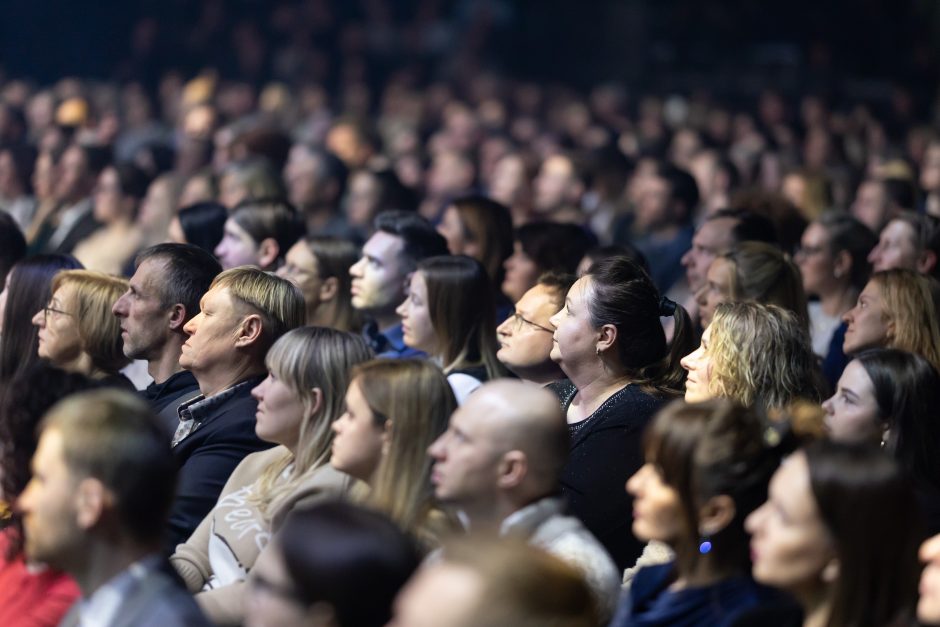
(707, 467)
(840, 531)
(610, 343)
(450, 315)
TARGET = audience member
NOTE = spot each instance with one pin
(756, 355)
(12, 244)
(16, 171)
(251, 180)
(161, 297)
(258, 233)
(839, 531)
(313, 571)
(449, 315)
(316, 181)
(499, 463)
(26, 291)
(541, 247)
(395, 409)
(201, 224)
(895, 310)
(73, 219)
(319, 267)
(481, 228)
(707, 468)
(244, 312)
(526, 338)
(910, 241)
(297, 405)
(103, 479)
(76, 329)
(504, 583)
(379, 278)
(611, 346)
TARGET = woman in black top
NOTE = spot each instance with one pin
(610, 343)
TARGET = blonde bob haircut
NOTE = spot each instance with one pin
(98, 329)
(763, 274)
(306, 359)
(278, 301)
(414, 396)
(909, 305)
(761, 357)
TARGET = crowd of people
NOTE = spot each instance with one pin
(483, 354)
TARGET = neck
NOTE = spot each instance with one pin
(211, 383)
(489, 514)
(323, 315)
(167, 363)
(542, 375)
(816, 605)
(105, 560)
(386, 320)
(701, 573)
(838, 300)
(81, 364)
(595, 386)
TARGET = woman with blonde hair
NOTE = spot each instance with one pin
(395, 409)
(757, 355)
(895, 310)
(309, 369)
(753, 271)
(78, 332)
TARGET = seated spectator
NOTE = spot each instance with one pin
(100, 509)
(481, 228)
(16, 170)
(600, 253)
(27, 290)
(371, 192)
(499, 463)
(244, 312)
(297, 405)
(542, 247)
(202, 225)
(316, 566)
(161, 297)
(839, 531)
(707, 467)
(895, 310)
(258, 233)
(72, 218)
(526, 338)
(76, 329)
(611, 346)
(394, 411)
(872, 205)
(753, 272)
(910, 241)
(557, 190)
(756, 355)
(31, 594)
(833, 265)
(886, 397)
(250, 180)
(379, 278)
(449, 315)
(498, 584)
(319, 267)
(118, 195)
(316, 181)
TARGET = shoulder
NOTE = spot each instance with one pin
(563, 389)
(254, 464)
(162, 601)
(463, 385)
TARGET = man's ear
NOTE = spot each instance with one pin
(91, 498)
(329, 288)
(512, 469)
(177, 317)
(268, 251)
(249, 330)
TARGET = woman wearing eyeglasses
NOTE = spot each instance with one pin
(78, 332)
(449, 314)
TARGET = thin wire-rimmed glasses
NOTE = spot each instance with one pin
(48, 310)
(518, 321)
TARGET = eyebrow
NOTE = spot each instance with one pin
(849, 392)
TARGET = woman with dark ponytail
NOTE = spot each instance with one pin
(609, 341)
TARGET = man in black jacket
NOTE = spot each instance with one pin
(162, 297)
(242, 314)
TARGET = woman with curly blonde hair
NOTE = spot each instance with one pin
(758, 355)
(895, 310)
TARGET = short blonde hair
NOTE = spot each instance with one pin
(278, 301)
(98, 329)
(761, 357)
(909, 304)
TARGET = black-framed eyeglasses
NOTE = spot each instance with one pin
(518, 321)
(47, 310)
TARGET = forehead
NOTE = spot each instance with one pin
(65, 292)
(581, 289)
(384, 246)
(856, 378)
(300, 255)
(49, 450)
(418, 283)
(897, 229)
(719, 270)
(149, 272)
(233, 228)
(217, 297)
(872, 290)
(715, 233)
(790, 486)
(536, 298)
(815, 233)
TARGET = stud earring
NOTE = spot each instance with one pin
(705, 546)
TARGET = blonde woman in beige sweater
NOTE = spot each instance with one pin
(302, 395)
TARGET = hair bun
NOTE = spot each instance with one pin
(667, 307)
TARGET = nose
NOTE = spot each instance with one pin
(849, 316)
(874, 254)
(827, 405)
(39, 319)
(257, 392)
(355, 269)
(190, 327)
(436, 450)
(117, 309)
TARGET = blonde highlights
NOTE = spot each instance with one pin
(909, 305)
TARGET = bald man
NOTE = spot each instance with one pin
(499, 463)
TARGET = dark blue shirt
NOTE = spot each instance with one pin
(389, 343)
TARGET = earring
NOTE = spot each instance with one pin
(597, 351)
(705, 546)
